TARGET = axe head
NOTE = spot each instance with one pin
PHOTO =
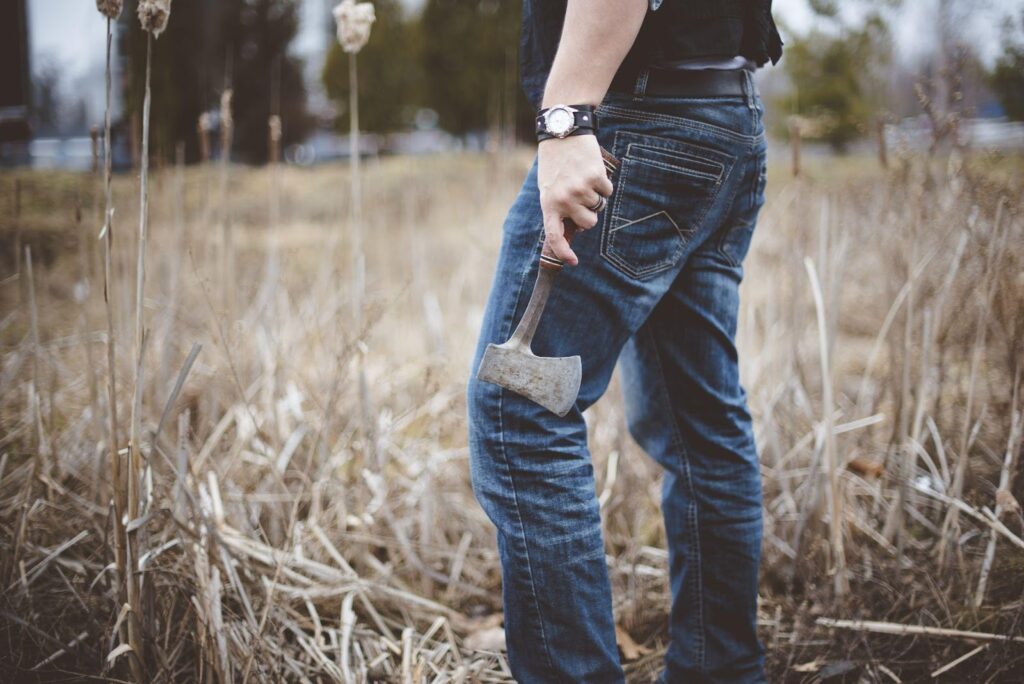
(553, 383)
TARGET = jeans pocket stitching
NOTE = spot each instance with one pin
(672, 146)
(613, 217)
(681, 156)
(649, 269)
(693, 173)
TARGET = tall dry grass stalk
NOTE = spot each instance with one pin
(227, 245)
(354, 21)
(1005, 502)
(272, 268)
(135, 455)
(13, 564)
(989, 282)
(841, 584)
(120, 480)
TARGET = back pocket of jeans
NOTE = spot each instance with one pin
(663, 192)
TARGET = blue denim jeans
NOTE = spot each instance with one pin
(656, 291)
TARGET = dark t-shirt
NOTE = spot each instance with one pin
(673, 31)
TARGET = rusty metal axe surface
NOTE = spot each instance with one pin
(552, 382)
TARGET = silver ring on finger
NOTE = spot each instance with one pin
(599, 205)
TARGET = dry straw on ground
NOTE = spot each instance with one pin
(259, 519)
(279, 544)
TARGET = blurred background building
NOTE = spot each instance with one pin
(15, 84)
(441, 74)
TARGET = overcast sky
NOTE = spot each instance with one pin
(69, 34)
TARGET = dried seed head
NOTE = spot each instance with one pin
(354, 21)
(111, 9)
(204, 123)
(275, 127)
(153, 15)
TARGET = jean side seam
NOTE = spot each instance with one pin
(677, 440)
(752, 158)
(515, 492)
(680, 444)
(749, 89)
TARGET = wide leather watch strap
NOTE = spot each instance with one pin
(584, 122)
(541, 136)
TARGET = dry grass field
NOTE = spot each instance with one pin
(296, 524)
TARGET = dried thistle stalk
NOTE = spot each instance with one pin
(354, 20)
(111, 9)
(153, 15)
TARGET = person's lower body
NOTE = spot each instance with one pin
(657, 287)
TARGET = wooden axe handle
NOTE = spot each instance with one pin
(548, 259)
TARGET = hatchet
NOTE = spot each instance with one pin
(552, 382)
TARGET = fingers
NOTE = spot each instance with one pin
(603, 185)
(573, 184)
(554, 239)
(596, 202)
(584, 218)
(578, 205)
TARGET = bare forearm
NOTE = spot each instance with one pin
(595, 39)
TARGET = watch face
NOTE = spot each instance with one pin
(559, 121)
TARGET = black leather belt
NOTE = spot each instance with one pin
(684, 83)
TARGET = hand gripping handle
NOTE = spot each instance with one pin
(548, 260)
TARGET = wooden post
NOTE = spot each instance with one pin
(883, 152)
(136, 124)
(17, 225)
(794, 144)
(274, 132)
(94, 133)
(203, 127)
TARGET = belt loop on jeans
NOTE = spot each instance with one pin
(640, 88)
(749, 89)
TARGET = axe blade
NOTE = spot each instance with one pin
(551, 382)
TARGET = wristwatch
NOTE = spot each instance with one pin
(561, 121)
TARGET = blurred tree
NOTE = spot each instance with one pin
(264, 77)
(45, 103)
(210, 45)
(1007, 76)
(389, 72)
(835, 76)
(457, 57)
(825, 8)
(180, 78)
(469, 54)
